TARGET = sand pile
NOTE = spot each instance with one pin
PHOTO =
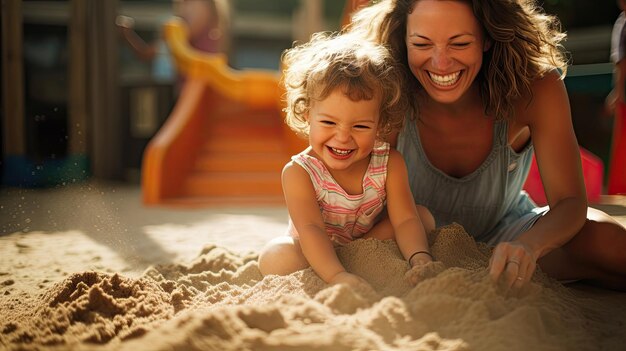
(220, 301)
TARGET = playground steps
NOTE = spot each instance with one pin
(240, 162)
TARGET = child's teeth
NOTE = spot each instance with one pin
(341, 152)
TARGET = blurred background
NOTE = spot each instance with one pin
(78, 103)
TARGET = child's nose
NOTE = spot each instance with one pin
(343, 134)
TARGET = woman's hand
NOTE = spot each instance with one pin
(512, 264)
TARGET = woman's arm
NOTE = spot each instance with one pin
(408, 228)
(558, 158)
(307, 219)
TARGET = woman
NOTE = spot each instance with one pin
(487, 92)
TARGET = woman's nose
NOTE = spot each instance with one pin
(441, 60)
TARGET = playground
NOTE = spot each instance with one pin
(171, 262)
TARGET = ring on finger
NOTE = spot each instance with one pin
(520, 278)
(514, 262)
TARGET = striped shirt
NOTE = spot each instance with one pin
(348, 217)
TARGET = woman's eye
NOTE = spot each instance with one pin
(460, 45)
(421, 45)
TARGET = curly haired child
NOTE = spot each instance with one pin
(345, 95)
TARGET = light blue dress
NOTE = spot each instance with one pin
(489, 202)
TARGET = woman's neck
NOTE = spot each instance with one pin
(469, 104)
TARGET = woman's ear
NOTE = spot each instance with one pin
(487, 45)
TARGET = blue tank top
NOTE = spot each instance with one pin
(484, 201)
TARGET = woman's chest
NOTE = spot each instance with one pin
(456, 145)
(460, 149)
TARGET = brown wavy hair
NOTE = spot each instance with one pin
(525, 45)
(361, 68)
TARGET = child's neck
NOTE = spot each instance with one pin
(351, 179)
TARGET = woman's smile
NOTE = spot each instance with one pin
(446, 80)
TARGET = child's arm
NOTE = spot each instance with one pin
(307, 219)
(409, 230)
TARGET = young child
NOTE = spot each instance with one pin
(344, 94)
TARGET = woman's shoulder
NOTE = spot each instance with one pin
(550, 81)
(547, 108)
(547, 93)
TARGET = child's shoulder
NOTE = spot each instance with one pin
(302, 161)
(395, 159)
(293, 169)
(306, 156)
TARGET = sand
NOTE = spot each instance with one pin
(90, 268)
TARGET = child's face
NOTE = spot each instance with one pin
(343, 132)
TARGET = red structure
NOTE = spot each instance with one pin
(593, 172)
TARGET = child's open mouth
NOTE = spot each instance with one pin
(341, 153)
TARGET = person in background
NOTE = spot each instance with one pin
(484, 78)
(207, 22)
(350, 7)
(345, 96)
(615, 105)
(618, 53)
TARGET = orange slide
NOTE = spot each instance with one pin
(225, 141)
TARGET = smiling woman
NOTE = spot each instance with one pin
(484, 78)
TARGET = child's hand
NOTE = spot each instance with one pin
(352, 280)
(125, 21)
(422, 271)
(420, 259)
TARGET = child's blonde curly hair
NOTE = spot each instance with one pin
(362, 69)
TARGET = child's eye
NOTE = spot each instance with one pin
(326, 122)
(362, 126)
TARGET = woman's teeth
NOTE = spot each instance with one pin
(446, 80)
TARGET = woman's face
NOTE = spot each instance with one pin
(445, 47)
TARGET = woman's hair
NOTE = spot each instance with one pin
(362, 69)
(525, 45)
